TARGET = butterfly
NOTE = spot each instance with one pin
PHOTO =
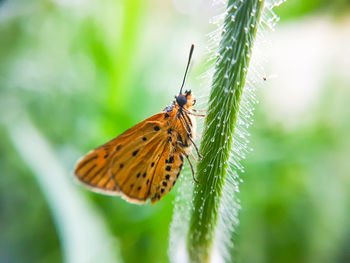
(145, 161)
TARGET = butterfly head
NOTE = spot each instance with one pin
(186, 100)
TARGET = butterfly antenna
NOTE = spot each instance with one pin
(188, 64)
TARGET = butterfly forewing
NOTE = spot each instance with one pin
(124, 165)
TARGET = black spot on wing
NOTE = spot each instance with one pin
(118, 147)
(135, 152)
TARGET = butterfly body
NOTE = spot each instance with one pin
(145, 161)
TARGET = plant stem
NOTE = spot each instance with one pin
(237, 38)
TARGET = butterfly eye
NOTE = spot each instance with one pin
(181, 100)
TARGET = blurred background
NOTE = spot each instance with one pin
(74, 74)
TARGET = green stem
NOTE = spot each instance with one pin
(240, 25)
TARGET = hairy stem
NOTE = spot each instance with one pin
(237, 38)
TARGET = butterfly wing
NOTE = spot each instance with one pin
(126, 165)
(167, 171)
(143, 162)
(171, 160)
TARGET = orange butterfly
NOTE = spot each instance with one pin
(145, 161)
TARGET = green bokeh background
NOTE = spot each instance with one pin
(84, 71)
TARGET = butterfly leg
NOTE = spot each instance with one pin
(199, 110)
(189, 161)
(194, 158)
(180, 149)
(195, 146)
(197, 115)
(185, 124)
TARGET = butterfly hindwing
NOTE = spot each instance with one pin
(172, 158)
(168, 170)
